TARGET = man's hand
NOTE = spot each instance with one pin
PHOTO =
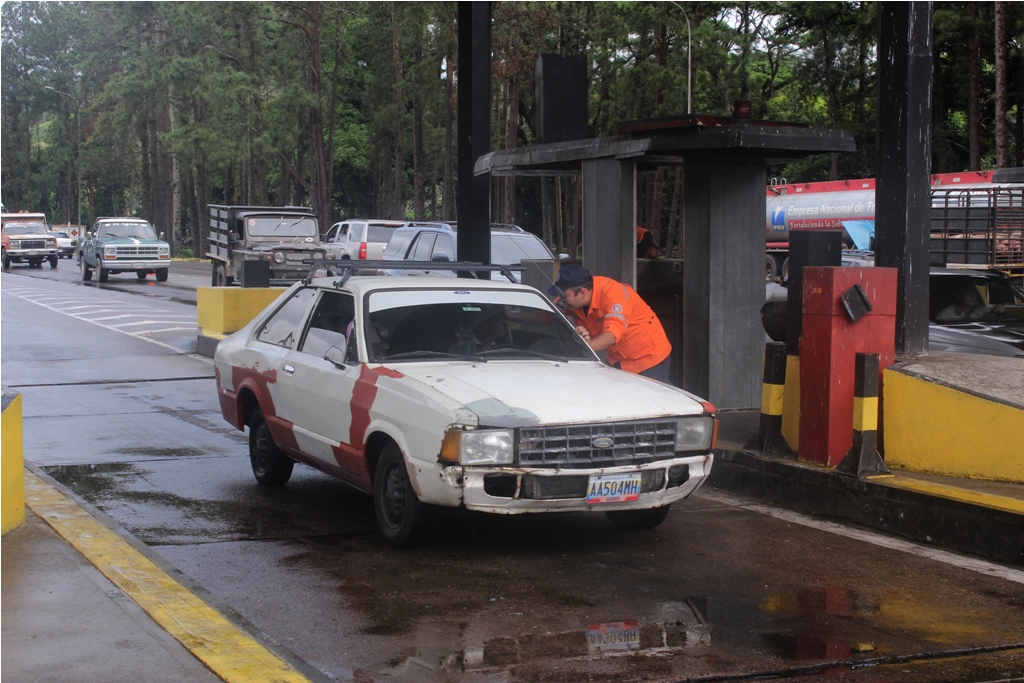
(583, 332)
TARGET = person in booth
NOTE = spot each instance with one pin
(645, 245)
(611, 317)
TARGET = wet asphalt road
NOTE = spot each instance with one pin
(120, 411)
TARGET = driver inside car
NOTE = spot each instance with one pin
(967, 305)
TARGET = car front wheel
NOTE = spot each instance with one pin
(638, 520)
(161, 274)
(402, 519)
(270, 466)
(84, 267)
(101, 273)
(53, 261)
(7, 261)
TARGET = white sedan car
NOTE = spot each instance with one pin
(430, 392)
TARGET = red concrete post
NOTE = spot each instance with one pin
(834, 332)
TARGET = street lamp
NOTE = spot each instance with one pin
(78, 137)
(689, 60)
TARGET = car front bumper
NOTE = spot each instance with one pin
(31, 253)
(518, 490)
(135, 265)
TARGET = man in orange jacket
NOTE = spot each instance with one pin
(611, 317)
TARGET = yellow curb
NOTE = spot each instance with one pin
(963, 495)
(229, 652)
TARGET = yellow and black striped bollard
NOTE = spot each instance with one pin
(769, 439)
(863, 459)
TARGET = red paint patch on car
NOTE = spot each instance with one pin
(352, 455)
(259, 381)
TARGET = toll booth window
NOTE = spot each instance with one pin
(330, 325)
(284, 326)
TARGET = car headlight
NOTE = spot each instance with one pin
(163, 251)
(478, 447)
(278, 257)
(694, 433)
(51, 244)
(15, 244)
(317, 256)
(110, 251)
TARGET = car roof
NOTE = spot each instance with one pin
(363, 284)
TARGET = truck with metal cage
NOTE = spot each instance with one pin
(275, 240)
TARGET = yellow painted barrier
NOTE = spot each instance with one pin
(223, 310)
(12, 468)
(933, 428)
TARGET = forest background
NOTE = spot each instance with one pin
(157, 109)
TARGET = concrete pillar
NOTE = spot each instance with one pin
(903, 194)
(609, 219)
(723, 270)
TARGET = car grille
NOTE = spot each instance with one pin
(33, 244)
(137, 251)
(631, 443)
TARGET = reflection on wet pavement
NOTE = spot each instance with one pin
(540, 597)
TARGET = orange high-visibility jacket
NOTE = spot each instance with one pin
(640, 341)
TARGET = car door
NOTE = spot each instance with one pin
(274, 341)
(317, 393)
(421, 250)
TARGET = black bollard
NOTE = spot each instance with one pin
(863, 459)
(769, 439)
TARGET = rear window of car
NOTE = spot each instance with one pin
(58, 233)
(509, 249)
(399, 241)
(380, 233)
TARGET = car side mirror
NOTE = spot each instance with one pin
(235, 237)
(161, 235)
(563, 257)
(336, 356)
(441, 258)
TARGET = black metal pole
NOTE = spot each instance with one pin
(903, 160)
(474, 133)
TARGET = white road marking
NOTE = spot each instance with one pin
(87, 313)
(962, 561)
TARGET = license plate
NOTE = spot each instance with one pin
(613, 488)
(621, 636)
(32, 253)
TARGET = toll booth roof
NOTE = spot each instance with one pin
(662, 143)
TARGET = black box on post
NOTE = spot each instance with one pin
(561, 82)
(254, 274)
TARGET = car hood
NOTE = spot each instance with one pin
(525, 393)
(132, 241)
(995, 336)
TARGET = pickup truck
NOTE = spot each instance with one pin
(282, 236)
(25, 238)
(123, 245)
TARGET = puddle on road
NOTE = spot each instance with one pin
(180, 452)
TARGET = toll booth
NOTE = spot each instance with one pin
(714, 326)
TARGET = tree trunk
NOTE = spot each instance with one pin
(512, 143)
(1002, 105)
(418, 204)
(974, 90)
(321, 198)
(448, 188)
(545, 210)
(397, 197)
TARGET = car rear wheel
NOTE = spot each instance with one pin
(161, 274)
(270, 466)
(402, 519)
(84, 268)
(638, 520)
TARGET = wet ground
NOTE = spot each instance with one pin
(719, 590)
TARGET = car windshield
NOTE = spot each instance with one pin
(509, 249)
(140, 230)
(963, 298)
(423, 324)
(24, 229)
(281, 226)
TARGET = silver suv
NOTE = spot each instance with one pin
(510, 246)
(359, 239)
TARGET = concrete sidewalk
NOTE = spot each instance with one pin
(64, 621)
(983, 518)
